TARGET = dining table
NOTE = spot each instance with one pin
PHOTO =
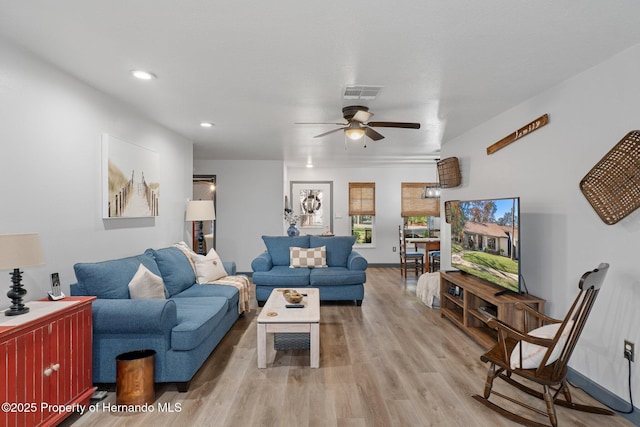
(429, 244)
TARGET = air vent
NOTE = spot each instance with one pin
(361, 92)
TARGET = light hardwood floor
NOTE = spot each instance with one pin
(391, 362)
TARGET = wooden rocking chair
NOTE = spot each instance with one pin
(541, 355)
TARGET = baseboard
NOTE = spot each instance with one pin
(603, 396)
(381, 265)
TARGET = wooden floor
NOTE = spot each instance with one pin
(391, 362)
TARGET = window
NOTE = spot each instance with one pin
(362, 211)
(421, 216)
(491, 243)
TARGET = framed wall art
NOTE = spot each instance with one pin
(130, 179)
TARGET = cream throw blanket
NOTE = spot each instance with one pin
(241, 283)
(428, 288)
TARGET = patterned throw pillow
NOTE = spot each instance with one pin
(308, 257)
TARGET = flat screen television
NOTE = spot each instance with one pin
(485, 240)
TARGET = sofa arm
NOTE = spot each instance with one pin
(262, 262)
(357, 262)
(229, 267)
(138, 316)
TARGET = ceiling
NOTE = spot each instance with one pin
(254, 68)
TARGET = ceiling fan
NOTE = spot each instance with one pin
(357, 125)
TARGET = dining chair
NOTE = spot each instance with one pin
(409, 259)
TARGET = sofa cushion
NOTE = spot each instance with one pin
(308, 257)
(211, 290)
(336, 276)
(338, 248)
(282, 276)
(109, 279)
(278, 247)
(197, 318)
(176, 270)
(146, 285)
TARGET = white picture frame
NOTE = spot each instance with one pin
(130, 180)
(305, 195)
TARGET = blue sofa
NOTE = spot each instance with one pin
(342, 280)
(182, 329)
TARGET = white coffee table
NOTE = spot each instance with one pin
(276, 318)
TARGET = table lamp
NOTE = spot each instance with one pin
(16, 251)
(201, 210)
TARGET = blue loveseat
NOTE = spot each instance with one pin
(342, 280)
(182, 329)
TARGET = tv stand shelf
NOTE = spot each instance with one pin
(475, 295)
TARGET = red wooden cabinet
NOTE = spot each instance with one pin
(45, 362)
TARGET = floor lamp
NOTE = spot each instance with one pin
(16, 251)
(201, 210)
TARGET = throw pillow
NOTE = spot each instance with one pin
(146, 285)
(308, 257)
(208, 268)
(532, 354)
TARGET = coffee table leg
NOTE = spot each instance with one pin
(314, 338)
(262, 345)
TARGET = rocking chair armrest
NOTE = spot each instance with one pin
(506, 331)
(539, 316)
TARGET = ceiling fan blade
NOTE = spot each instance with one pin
(327, 133)
(394, 125)
(320, 123)
(361, 116)
(372, 134)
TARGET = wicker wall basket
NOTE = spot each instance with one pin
(449, 172)
(612, 186)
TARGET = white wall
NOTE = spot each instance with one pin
(561, 234)
(249, 204)
(50, 169)
(388, 198)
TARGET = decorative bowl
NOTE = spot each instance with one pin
(292, 297)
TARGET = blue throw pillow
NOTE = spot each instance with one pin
(338, 248)
(110, 279)
(176, 269)
(278, 247)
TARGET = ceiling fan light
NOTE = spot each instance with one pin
(354, 133)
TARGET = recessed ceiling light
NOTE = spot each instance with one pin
(206, 124)
(143, 75)
(309, 165)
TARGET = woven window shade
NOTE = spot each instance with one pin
(362, 198)
(412, 202)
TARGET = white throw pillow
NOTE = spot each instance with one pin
(146, 285)
(209, 268)
(308, 257)
(532, 354)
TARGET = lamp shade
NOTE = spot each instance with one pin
(20, 250)
(201, 210)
